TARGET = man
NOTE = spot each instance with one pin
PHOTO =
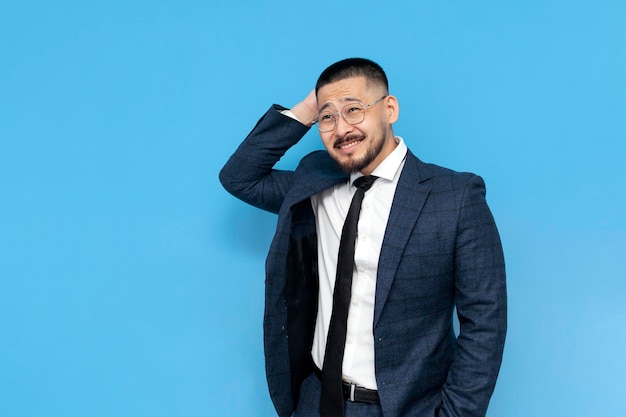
(426, 243)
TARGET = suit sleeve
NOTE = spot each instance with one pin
(480, 297)
(249, 174)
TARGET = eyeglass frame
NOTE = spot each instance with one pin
(340, 112)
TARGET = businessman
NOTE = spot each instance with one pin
(374, 252)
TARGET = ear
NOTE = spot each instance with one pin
(392, 108)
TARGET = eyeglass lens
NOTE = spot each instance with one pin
(352, 113)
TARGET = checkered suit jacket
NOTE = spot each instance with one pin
(441, 250)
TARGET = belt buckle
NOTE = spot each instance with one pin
(352, 390)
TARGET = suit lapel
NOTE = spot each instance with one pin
(411, 193)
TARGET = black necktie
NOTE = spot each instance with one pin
(332, 402)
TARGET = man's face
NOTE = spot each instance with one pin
(362, 146)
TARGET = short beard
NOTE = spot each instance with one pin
(355, 165)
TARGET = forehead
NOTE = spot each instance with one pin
(342, 91)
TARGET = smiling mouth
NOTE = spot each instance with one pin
(348, 143)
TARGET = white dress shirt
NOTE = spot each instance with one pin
(331, 207)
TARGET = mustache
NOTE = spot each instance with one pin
(348, 138)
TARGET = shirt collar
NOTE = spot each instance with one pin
(388, 168)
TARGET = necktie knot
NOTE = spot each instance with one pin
(365, 182)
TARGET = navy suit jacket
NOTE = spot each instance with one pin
(441, 250)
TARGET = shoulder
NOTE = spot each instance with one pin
(318, 162)
(313, 158)
(439, 176)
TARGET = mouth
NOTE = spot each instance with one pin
(346, 144)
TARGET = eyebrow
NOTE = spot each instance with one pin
(342, 99)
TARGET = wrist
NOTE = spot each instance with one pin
(304, 113)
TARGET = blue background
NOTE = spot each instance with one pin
(131, 284)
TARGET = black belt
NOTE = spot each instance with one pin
(354, 393)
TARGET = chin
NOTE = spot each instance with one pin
(351, 165)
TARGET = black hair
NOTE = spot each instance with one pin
(353, 67)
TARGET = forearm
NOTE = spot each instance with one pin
(249, 174)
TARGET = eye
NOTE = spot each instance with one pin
(352, 109)
(326, 116)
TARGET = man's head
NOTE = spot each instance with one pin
(350, 68)
(356, 113)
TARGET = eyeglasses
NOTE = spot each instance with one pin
(353, 113)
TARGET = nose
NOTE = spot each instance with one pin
(343, 127)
